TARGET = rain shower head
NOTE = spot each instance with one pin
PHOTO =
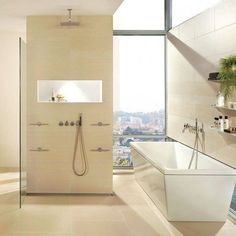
(70, 22)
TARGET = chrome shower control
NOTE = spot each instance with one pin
(67, 123)
(61, 123)
(72, 123)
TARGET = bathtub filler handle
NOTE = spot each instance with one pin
(100, 124)
(99, 149)
(38, 124)
(39, 149)
(193, 128)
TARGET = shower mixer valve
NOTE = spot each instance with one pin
(68, 123)
(71, 123)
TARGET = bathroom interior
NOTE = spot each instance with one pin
(118, 118)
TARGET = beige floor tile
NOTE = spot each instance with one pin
(42, 220)
(128, 212)
(102, 228)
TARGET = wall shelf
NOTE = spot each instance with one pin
(222, 132)
(225, 108)
(213, 77)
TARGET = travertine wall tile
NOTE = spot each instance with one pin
(57, 53)
(193, 53)
(225, 14)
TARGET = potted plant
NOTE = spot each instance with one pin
(227, 76)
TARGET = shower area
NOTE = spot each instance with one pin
(69, 104)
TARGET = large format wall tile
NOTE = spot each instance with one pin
(194, 50)
(56, 53)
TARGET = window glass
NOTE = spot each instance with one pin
(139, 93)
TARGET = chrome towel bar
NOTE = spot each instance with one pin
(100, 124)
(99, 149)
(38, 124)
(39, 149)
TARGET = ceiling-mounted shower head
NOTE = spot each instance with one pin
(70, 22)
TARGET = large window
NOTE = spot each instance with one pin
(139, 93)
(186, 9)
(139, 76)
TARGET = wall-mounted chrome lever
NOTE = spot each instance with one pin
(39, 124)
(39, 149)
(99, 149)
(100, 124)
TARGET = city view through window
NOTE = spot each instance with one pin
(139, 93)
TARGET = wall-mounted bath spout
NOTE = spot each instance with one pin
(196, 130)
(79, 144)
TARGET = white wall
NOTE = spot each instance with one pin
(9, 99)
(194, 50)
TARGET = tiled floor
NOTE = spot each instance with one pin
(128, 213)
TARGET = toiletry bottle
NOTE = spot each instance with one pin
(53, 96)
(226, 122)
(221, 123)
(220, 99)
(216, 122)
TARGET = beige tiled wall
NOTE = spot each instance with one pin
(9, 104)
(56, 53)
(194, 50)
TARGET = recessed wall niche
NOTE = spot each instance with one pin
(69, 91)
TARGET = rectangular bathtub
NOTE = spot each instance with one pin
(182, 194)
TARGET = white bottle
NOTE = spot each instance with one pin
(53, 96)
(220, 102)
(221, 124)
(226, 123)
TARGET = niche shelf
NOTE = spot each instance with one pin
(69, 91)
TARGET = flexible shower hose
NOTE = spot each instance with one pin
(79, 139)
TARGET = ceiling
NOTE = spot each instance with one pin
(13, 12)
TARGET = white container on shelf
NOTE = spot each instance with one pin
(220, 101)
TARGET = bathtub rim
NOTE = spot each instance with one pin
(231, 171)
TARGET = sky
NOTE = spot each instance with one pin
(139, 73)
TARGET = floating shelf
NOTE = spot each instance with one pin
(225, 108)
(222, 132)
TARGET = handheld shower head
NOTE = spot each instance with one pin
(70, 22)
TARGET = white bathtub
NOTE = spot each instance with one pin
(182, 194)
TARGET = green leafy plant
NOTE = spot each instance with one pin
(227, 76)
